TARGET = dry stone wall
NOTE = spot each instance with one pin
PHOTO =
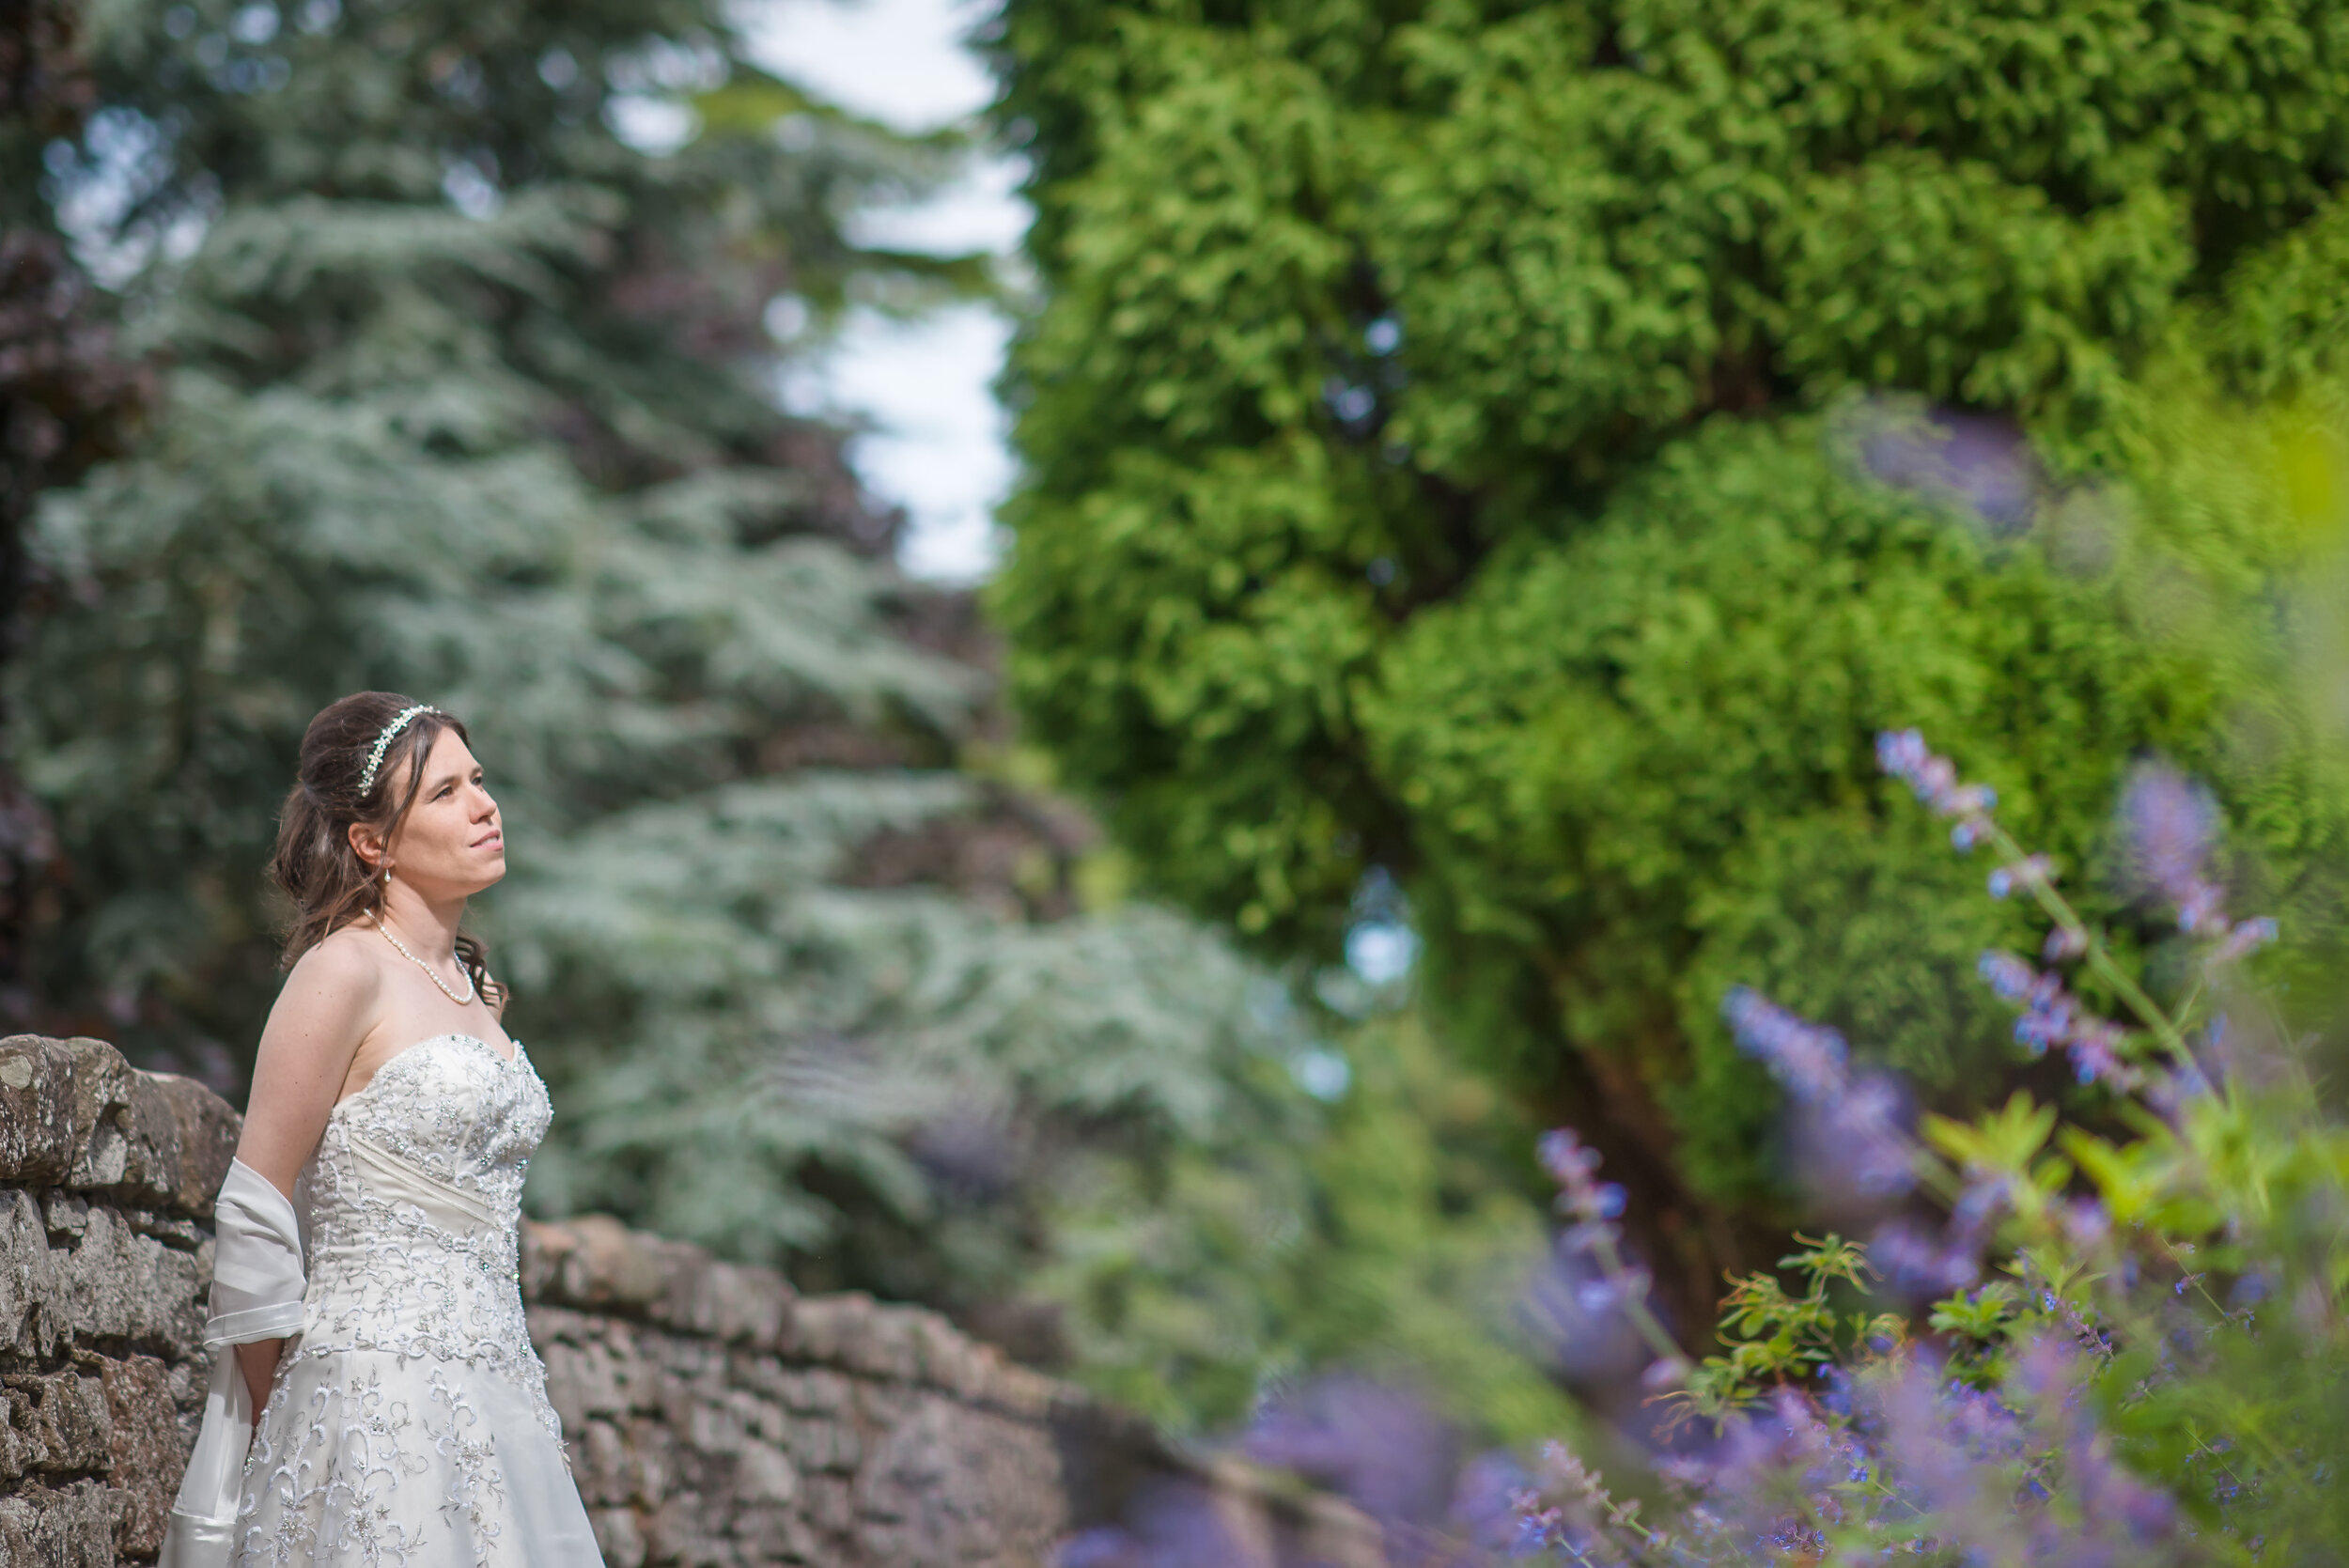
(714, 1417)
(106, 1182)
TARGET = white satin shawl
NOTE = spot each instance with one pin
(257, 1286)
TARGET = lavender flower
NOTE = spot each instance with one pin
(1579, 1311)
(2053, 1017)
(1378, 1447)
(1169, 1523)
(1934, 780)
(1862, 1135)
(2032, 871)
(1978, 463)
(1917, 1266)
(2170, 821)
(1574, 1166)
(1806, 1058)
(1856, 1126)
(2245, 935)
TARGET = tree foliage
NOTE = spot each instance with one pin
(470, 398)
(68, 396)
(1447, 452)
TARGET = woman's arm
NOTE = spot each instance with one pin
(328, 1004)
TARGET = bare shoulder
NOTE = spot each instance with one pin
(330, 1000)
(343, 963)
(329, 1003)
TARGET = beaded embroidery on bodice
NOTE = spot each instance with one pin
(458, 1107)
(408, 1425)
(422, 1267)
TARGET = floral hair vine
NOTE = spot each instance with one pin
(383, 742)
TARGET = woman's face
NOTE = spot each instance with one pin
(451, 843)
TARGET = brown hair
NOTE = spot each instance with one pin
(330, 885)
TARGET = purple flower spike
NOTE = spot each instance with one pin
(2036, 871)
(1865, 1144)
(2008, 975)
(2247, 935)
(1913, 1263)
(2085, 1220)
(2170, 820)
(1574, 1166)
(1804, 1057)
(2095, 1059)
(1934, 780)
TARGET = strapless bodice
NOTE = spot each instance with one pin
(411, 1205)
(408, 1421)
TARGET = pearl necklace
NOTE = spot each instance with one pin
(430, 973)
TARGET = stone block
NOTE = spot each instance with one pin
(100, 1081)
(31, 1299)
(74, 1113)
(596, 1262)
(776, 1533)
(686, 1365)
(582, 1382)
(819, 1443)
(1021, 1392)
(712, 1426)
(824, 1327)
(185, 1235)
(815, 1391)
(208, 1129)
(885, 1404)
(763, 1418)
(599, 1463)
(619, 1537)
(63, 1416)
(885, 1343)
(37, 1143)
(118, 1284)
(64, 1215)
(950, 1486)
(728, 1303)
(543, 1250)
(685, 1530)
(829, 1503)
(63, 1526)
(652, 1461)
(551, 1324)
(943, 1356)
(147, 1453)
(763, 1473)
(16, 1445)
(126, 1129)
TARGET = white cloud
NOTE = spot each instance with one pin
(934, 441)
(897, 61)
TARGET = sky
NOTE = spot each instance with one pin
(934, 435)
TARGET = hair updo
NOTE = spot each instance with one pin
(330, 885)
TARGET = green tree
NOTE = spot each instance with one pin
(1447, 452)
(1396, 1244)
(68, 398)
(470, 398)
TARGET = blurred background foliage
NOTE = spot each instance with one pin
(455, 315)
(1529, 450)
(1491, 470)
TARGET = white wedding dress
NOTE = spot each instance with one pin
(407, 1426)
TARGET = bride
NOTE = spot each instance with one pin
(365, 1298)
